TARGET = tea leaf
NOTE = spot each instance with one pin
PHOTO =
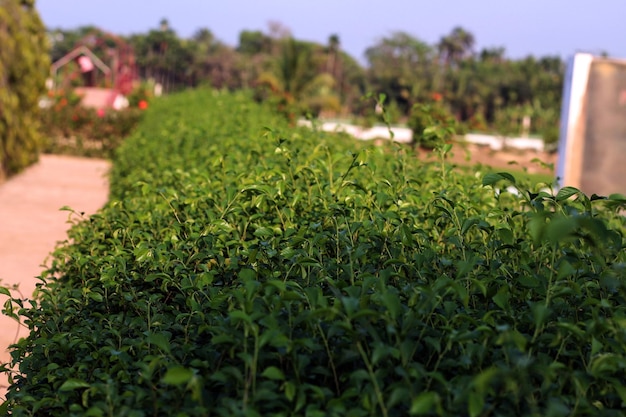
(177, 376)
(424, 403)
(273, 372)
(566, 192)
(73, 384)
(494, 177)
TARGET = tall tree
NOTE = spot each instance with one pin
(24, 66)
(213, 62)
(296, 79)
(254, 42)
(401, 67)
(333, 52)
(164, 57)
(456, 46)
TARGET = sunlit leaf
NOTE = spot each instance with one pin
(177, 376)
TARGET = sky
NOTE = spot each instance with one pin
(529, 27)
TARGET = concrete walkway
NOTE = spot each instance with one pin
(31, 224)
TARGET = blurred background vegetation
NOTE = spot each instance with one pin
(472, 90)
(483, 89)
(24, 65)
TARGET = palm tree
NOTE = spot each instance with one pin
(333, 51)
(294, 80)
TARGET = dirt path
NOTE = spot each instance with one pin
(469, 154)
(31, 223)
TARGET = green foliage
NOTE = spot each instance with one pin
(400, 66)
(240, 270)
(432, 124)
(23, 69)
(294, 85)
(485, 89)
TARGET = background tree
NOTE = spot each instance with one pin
(297, 78)
(333, 54)
(456, 46)
(254, 42)
(64, 41)
(163, 57)
(401, 66)
(484, 90)
(213, 62)
(24, 65)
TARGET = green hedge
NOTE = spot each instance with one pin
(24, 66)
(240, 270)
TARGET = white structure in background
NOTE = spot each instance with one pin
(400, 134)
(592, 143)
(158, 90)
(405, 135)
(498, 143)
(574, 88)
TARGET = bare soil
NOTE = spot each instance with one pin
(531, 161)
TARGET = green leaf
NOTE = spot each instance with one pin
(573, 328)
(5, 291)
(484, 380)
(469, 223)
(475, 405)
(160, 341)
(565, 270)
(93, 411)
(239, 315)
(502, 298)
(560, 228)
(425, 403)
(566, 192)
(72, 384)
(540, 313)
(493, 177)
(596, 346)
(606, 364)
(392, 304)
(247, 274)
(290, 390)
(96, 296)
(506, 235)
(177, 376)
(274, 373)
(143, 253)
(264, 232)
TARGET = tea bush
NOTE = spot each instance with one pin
(244, 268)
(432, 124)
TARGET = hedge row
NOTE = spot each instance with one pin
(244, 268)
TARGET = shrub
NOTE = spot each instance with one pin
(432, 124)
(76, 130)
(245, 271)
(23, 68)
